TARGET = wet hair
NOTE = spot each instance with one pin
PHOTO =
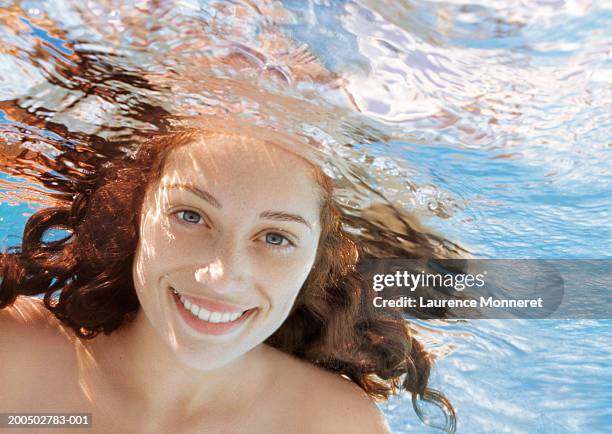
(86, 277)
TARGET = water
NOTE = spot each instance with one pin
(489, 121)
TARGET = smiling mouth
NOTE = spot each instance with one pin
(207, 312)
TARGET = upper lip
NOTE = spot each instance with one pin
(212, 304)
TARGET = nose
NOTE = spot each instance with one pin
(210, 272)
(226, 274)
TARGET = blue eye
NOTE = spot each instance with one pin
(190, 217)
(275, 239)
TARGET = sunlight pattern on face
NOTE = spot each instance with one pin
(488, 120)
(243, 189)
(213, 270)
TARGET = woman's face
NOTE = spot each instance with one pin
(227, 238)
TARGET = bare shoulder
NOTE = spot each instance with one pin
(328, 402)
(37, 358)
(347, 408)
(28, 332)
(29, 317)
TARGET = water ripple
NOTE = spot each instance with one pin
(486, 121)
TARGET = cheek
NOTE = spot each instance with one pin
(157, 247)
(153, 254)
(144, 278)
(283, 280)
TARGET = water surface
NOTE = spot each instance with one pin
(488, 121)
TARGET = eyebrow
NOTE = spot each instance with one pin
(284, 217)
(269, 215)
(202, 194)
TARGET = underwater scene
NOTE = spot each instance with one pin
(482, 127)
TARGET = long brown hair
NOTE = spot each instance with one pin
(86, 277)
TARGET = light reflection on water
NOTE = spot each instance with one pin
(490, 121)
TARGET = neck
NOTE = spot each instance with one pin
(135, 367)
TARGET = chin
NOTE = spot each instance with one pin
(207, 359)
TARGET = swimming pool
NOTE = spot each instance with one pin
(490, 121)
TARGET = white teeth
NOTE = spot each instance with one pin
(206, 315)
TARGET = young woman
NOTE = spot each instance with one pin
(217, 268)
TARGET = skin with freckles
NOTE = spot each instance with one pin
(233, 225)
(234, 222)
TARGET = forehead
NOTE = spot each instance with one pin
(229, 165)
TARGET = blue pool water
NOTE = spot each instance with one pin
(490, 121)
